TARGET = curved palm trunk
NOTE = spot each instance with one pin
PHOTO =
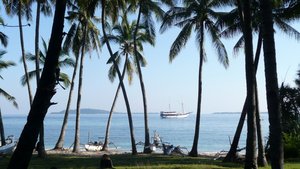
(232, 154)
(275, 138)
(41, 143)
(45, 91)
(147, 137)
(133, 146)
(60, 142)
(261, 159)
(2, 134)
(250, 159)
(106, 140)
(194, 151)
(76, 147)
(23, 52)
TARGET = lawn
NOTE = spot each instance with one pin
(123, 161)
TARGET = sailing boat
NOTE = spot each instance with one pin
(174, 114)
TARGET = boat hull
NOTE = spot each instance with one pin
(92, 147)
(8, 148)
(164, 114)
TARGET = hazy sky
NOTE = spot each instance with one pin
(166, 83)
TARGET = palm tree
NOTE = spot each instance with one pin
(282, 15)
(7, 96)
(245, 15)
(103, 17)
(123, 35)
(197, 15)
(45, 91)
(64, 61)
(20, 8)
(67, 45)
(146, 9)
(276, 142)
(87, 39)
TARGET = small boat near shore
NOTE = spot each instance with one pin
(93, 146)
(174, 114)
(9, 147)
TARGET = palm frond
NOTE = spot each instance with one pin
(65, 79)
(31, 75)
(286, 28)
(239, 45)
(219, 46)
(9, 97)
(3, 39)
(180, 41)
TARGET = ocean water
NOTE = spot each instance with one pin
(216, 131)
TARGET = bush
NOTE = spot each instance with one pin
(291, 146)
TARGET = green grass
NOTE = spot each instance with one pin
(123, 161)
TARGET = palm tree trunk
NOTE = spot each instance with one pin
(232, 155)
(106, 140)
(194, 150)
(133, 146)
(45, 91)
(147, 137)
(41, 143)
(261, 159)
(250, 159)
(60, 142)
(275, 138)
(77, 126)
(2, 134)
(23, 52)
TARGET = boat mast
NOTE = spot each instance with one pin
(182, 107)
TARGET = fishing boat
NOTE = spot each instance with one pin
(174, 114)
(93, 146)
(9, 147)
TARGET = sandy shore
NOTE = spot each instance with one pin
(85, 153)
(115, 151)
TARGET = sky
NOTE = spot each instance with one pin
(167, 84)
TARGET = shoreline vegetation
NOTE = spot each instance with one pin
(90, 160)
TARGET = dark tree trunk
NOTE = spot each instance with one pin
(147, 137)
(275, 128)
(133, 146)
(250, 159)
(60, 142)
(2, 133)
(45, 91)
(41, 146)
(77, 126)
(106, 140)
(194, 150)
(232, 155)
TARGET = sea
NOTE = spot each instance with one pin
(216, 129)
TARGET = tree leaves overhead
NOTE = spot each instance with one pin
(198, 16)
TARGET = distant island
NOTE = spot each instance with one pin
(85, 111)
(92, 111)
(234, 112)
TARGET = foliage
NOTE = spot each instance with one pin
(290, 106)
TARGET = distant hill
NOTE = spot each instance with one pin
(234, 112)
(85, 111)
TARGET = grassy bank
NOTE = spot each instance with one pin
(123, 161)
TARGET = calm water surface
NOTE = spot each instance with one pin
(215, 133)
